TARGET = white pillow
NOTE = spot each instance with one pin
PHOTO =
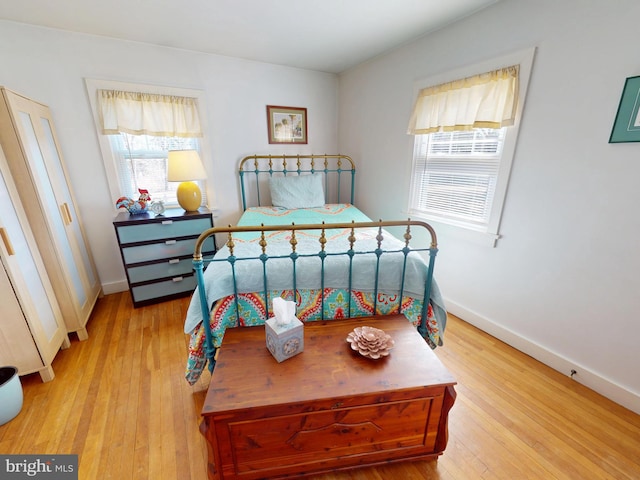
(297, 191)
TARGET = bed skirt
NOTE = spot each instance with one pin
(311, 305)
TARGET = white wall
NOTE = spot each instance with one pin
(50, 66)
(563, 283)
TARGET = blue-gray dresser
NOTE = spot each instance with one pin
(157, 252)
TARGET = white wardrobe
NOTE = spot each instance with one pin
(31, 326)
(36, 167)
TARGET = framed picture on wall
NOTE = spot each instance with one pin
(626, 127)
(287, 124)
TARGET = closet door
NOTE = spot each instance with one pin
(37, 166)
(31, 326)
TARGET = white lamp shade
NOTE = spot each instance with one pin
(184, 166)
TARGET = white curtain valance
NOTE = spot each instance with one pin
(148, 114)
(488, 100)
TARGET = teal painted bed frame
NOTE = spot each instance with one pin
(259, 166)
(262, 167)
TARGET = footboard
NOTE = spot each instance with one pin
(359, 256)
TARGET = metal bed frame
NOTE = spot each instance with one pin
(306, 164)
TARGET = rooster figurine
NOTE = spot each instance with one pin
(135, 206)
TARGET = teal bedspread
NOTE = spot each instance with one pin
(339, 294)
(219, 278)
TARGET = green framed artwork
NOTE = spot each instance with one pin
(626, 127)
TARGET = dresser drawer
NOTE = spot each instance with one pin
(166, 229)
(166, 288)
(168, 268)
(166, 250)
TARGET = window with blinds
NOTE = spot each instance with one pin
(137, 125)
(455, 175)
(141, 162)
(465, 125)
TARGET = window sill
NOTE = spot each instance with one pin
(459, 232)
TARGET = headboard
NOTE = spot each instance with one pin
(255, 171)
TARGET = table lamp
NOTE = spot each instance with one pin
(186, 166)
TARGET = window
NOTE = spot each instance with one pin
(135, 143)
(455, 175)
(465, 125)
(141, 161)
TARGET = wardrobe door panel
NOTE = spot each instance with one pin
(32, 329)
(16, 344)
(23, 265)
(51, 205)
(68, 202)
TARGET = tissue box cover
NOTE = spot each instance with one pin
(284, 341)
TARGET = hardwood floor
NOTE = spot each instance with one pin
(120, 401)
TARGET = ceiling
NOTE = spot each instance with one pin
(324, 35)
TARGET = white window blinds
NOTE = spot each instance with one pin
(148, 114)
(487, 100)
(455, 175)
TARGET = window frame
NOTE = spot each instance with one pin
(126, 161)
(491, 233)
(109, 159)
(442, 163)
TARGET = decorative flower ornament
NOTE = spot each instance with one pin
(370, 342)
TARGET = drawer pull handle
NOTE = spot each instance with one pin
(66, 207)
(174, 260)
(167, 222)
(177, 279)
(66, 214)
(170, 242)
(7, 242)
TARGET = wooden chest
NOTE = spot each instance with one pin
(328, 408)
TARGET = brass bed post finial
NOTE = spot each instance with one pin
(379, 237)
(263, 241)
(313, 165)
(407, 233)
(323, 238)
(293, 240)
(352, 235)
(230, 244)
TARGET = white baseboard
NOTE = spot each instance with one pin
(115, 287)
(603, 386)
